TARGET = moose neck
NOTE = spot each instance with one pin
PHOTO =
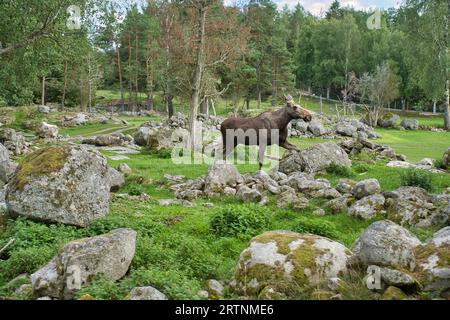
(282, 118)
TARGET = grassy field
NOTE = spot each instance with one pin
(177, 247)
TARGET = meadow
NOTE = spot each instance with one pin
(178, 247)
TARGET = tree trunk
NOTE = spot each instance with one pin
(63, 100)
(447, 105)
(434, 106)
(204, 106)
(119, 68)
(328, 93)
(43, 91)
(197, 79)
(136, 59)
(130, 81)
(259, 98)
(169, 104)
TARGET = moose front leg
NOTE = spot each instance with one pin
(289, 146)
(261, 153)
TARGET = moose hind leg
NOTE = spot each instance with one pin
(261, 153)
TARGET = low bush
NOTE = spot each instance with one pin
(339, 170)
(417, 178)
(240, 219)
(317, 227)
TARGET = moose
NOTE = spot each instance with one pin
(260, 130)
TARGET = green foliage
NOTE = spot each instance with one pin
(233, 220)
(135, 190)
(339, 170)
(439, 164)
(317, 227)
(418, 178)
(361, 168)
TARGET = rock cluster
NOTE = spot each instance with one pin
(13, 141)
(109, 140)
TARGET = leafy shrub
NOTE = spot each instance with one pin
(135, 190)
(317, 227)
(361, 168)
(339, 170)
(439, 164)
(417, 178)
(165, 153)
(240, 219)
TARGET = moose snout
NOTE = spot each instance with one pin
(308, 117)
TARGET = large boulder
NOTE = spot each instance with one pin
(317, 158)
(410, 124)
(80, 260)
(63, 184)
(413, 206)
(289, 263)
(46, 130)
(446, 159)
(220, 175)
(368, 207)
(13, 141)
(6, 166)
(366, 188)
(346, 130)
(316, 128)
(160, 138)
(247, 194)
(433, 262)
(146, 293)
(389, 120)
(386, 244)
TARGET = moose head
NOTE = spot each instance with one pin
(295, 111)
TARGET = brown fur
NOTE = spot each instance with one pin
(278, 119)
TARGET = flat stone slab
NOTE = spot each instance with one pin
(121, 150)
(116, 158)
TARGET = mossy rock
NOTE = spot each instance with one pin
(39, 163)
(433, 266)
(290, 263)
(393, 293)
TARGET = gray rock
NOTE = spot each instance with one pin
(247, 194)
(220, 175)
(346, 130)
(146, 293)
(319, 212)
(316, 128)
(338, 205)
(46, 130)
(124, 168)
(70, 188)
(410, 124)
(215, 289)
(367, 207)
(7, 168)
(433, 264)
(44, 109)
(301, 126)
(425, 162)
(315, 159)
(78, 261)
(396, 278)
(386, 244)
(389, 120)
(288, 262)
(142, 136)
(345, 186)
(413, 206)
(366, 188)
(116, 179)
(291, 199)
(446, 159)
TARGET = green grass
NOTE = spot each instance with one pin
(416, 145)
(177, 249)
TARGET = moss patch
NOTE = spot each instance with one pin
(393, 293)
(40, 163)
